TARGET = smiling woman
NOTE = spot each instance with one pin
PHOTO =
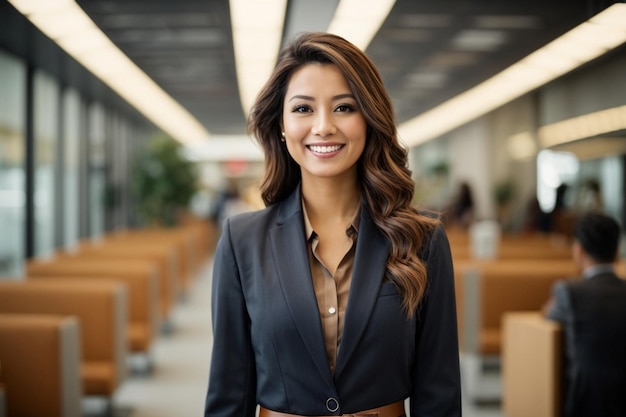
(323, 125)
(319, 300)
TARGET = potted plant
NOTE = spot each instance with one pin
(164, 182)
(503, 193)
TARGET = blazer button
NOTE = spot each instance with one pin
(332, 404)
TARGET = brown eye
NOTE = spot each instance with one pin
(344, 108)
(301, 109)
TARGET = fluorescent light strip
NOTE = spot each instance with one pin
(68, 25)
(591, 39)
(359, 20)
(226, 148)
(257, 27)
(585, 126)
(521, 146)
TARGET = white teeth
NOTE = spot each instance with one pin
(324, 149)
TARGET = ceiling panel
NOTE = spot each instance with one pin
(184, 46)
(427, 52)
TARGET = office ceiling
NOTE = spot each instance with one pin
(427, 51)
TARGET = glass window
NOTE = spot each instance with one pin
(97, 170)
(71, 139)
(601, 180)
(118, 165)
(553, 170)
(12, 160)
(45, 132)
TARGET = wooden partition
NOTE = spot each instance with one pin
(193, 240)
(164, 258)
(511, 247)
(100, 308)
(40, 365)
(140, 277)
(206, 234)
(532, 366)
(183, 242)
(486, 290)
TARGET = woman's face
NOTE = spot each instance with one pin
(324, 128)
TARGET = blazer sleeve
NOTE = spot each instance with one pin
(436, 377)
(232, 380)
(561, 306)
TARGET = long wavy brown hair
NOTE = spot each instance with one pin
(384, 177)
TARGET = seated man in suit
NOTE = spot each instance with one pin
(592, 310)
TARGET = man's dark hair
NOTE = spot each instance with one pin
(599, 236)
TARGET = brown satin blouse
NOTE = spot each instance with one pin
(331, 290)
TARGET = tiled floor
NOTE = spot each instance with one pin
(176, 387)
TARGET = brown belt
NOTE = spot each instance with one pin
(392, 410)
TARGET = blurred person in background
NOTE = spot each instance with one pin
(461, 211)
(591, 196)
(592, 310)
(230, 201)
(338, 297)
(557, 220)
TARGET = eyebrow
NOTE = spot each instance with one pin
(309, 98)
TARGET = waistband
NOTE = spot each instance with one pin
(391, 410)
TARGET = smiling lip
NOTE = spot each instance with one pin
(324, 151)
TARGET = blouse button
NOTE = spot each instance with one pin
(332, 404)
(332, 310)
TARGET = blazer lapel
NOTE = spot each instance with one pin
(294, 274)
(370, 260)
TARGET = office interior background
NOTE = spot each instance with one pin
(515, 96)
(466, 106)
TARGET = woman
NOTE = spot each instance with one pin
(338, 297)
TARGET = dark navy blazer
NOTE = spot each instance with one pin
(268, 342)
(593, 312)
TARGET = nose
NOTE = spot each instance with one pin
(323, 125)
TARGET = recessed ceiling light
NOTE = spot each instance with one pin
(505, 22)
(66, 23)
(257, 33)
(359, 20)
(479, 40)
(589, 40)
